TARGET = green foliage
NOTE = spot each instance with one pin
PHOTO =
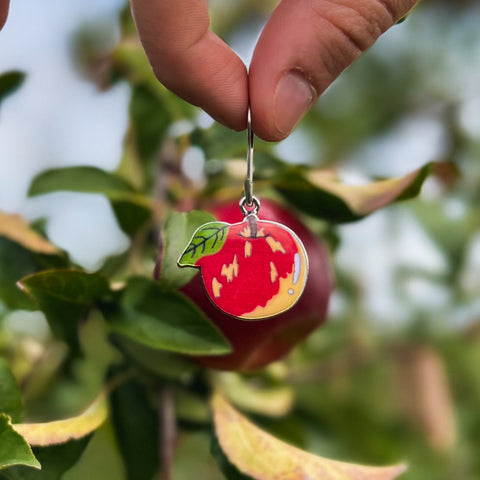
(14, 450)
(322, 196)
(137, 434)
(65, 297)
(132, 209)
(177, 232)
(10, 401)
(9, 83)
(25, 263)
(55, 461)
(163, 320)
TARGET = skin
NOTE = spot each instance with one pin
(304, 46)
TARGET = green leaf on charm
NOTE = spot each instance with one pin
(176, 232)
(207, 240)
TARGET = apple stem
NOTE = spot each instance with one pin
(252, 222)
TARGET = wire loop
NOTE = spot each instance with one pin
(249, 198)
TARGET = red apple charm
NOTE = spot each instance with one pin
(251, 270)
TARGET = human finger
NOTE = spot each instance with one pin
(304, 46)
(190, 60)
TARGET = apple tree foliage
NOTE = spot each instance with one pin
(111, 390)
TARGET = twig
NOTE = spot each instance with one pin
(167, 432)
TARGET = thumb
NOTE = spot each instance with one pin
(304, 46)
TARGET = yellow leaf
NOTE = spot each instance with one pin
(263, 457)
(366, 198)
(61, 431)
(15, 228)
(270, 401)
(424, 395)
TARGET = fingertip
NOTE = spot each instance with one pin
(293, 96)
(303, 47)
(191, 61)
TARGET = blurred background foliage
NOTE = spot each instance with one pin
(393, 375)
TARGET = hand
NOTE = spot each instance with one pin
(304, 46)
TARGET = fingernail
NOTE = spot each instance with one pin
(294, 95)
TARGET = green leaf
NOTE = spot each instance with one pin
(79, 179)
(191, 407)
(54, 459)
(131, 208)
(65, 297)
(16, 262)
(320, 193)
(166, 321)
(151, 121)
(10, 401)
(131, 216)
(22, 252)
(177, 232)
(159, 362)
(207, 240)
(9, 83)
(136, 427)
(271, 401)
(14, 450)
(12, 271)
(16, 229)
(257, 455)
(86, 180)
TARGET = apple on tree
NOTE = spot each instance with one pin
(258, 275)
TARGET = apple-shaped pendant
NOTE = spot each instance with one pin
(251, 270)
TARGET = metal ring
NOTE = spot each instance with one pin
(248, 209)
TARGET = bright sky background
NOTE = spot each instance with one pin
(57, 119)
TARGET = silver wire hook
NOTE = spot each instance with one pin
(249, 198)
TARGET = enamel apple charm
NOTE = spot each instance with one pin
(252, 270)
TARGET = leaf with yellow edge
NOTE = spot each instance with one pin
(61, 431)
(320, 193)
(15, 228)
(258, 455)
(271, 401)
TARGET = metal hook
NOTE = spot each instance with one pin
(249, 198)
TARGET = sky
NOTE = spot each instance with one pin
(57, 119)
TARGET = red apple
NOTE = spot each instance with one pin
(252, 270)
(257, 343)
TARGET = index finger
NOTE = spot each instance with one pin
(190, 60)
